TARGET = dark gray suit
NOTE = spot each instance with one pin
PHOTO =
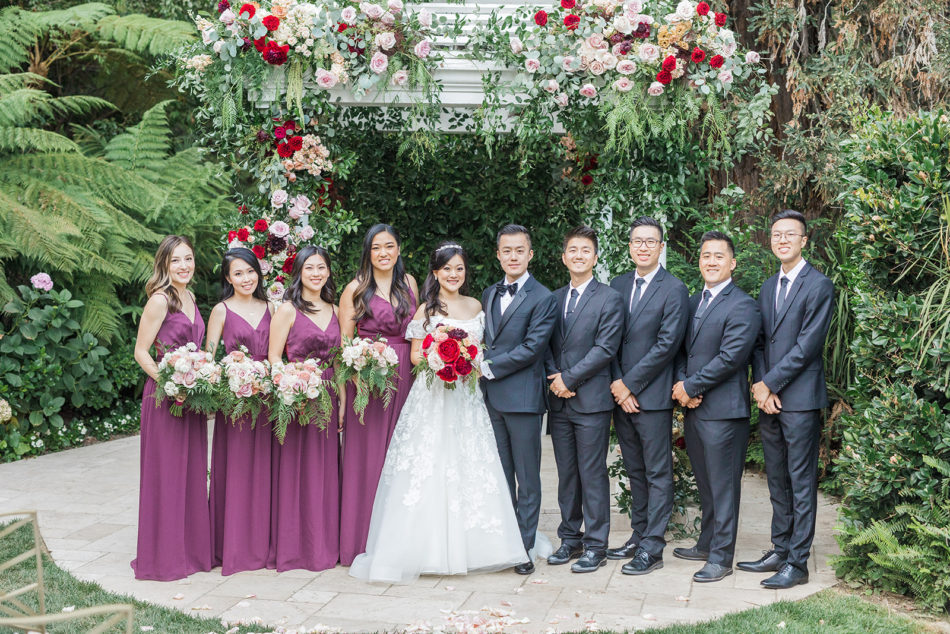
(582, 347)
(515, 346)
(788, 359)
(714, 363)
(653, 334)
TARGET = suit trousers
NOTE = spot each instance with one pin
(518, 436)
(646, 444)
(581, 442)
(716, 450)
(790, 445)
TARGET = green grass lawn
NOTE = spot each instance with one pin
(827, 611)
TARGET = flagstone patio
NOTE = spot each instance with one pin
(87, 502)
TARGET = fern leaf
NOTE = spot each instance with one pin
(32, 139)
(144, 145)
(142, 34)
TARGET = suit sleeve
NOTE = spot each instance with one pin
(550, 367)
(738, 338)
(615, 370)
(668, 342)
(606, 343)
(758, 352)
(535, 343)
(819, 307)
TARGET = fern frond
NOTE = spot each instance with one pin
(26, 106)
(142, 34)
(18, 30)
(34, 140)
(145, 145)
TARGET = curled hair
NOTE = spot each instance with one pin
(294, 292)
(366, 281)
(247, 256)
(161, 281)
(429, 293)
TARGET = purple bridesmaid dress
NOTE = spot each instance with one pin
(241, 467)
(364, 445)
(305, 529)
(174, 528)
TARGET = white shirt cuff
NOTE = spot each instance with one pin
(486, 370)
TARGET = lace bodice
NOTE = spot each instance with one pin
(475, 326)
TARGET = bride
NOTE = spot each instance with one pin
(443, 505)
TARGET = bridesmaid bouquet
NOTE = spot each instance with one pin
(372, 365)
(247, 387)
(452, 356)
(190, 377)
(300, 393)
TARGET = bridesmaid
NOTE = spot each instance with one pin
(240, 455)
(380, 301)
(174, 537)
(305, 532)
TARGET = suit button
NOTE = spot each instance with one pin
(691, 355)
(772, 340)
(626, 341)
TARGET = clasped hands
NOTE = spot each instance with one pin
(558, 388)
(681, 397)
(767, 400)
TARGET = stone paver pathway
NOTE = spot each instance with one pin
(87, 499)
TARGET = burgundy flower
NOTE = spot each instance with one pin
(624, 47)
(587, 179)
(642, 32)
(263, 136)
(274, 54)
(223, 5)
(280, 132)
(295, 143)
(275, 244)
(448, 374)
(680, 442)
(457, 333)
(463, 366)
(248, 43)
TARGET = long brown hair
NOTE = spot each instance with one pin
(294, 292)
(366, 283)
(161, 282)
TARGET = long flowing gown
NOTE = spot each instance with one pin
(306, 512)
(443, 505)
(174, 534)
(365, 444)
(241, 467)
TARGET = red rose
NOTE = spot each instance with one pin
(279, 132)
(587, 179)
(296, 143)
(259, 251)
(669, 64)
(271, 22)
(449, 350)
(279, 278)
(702, 8)
(664, 77)
(242, 209)
(275, 55)
(448, 374)
(720, 19)
(260, 225)
(340, 27)
(717, 61)
(243, 234)
(249, 9)
(284, 150)
(571, 21)
(680, 442)
(260, 44)
(568, 4)
(290, 125)
(289, 264)
(541, 18)
(232, 235)
(427, 341)
(463, 366)
(698, 55)
(472, 351)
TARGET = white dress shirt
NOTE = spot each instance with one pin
(505, 300)
(791, 275)
(643, 287)
(580, 291)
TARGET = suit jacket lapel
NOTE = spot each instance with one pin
(768, 313)
(581, 303)
(561, 295)
(489, 320)
(513, 306)
(651, 291)
(716, 301)
(790, 296)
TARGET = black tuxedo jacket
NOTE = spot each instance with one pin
(714, 361)
(583, 345)
(515, 348)
(788, 356)
(652, 336)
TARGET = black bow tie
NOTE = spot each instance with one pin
(507, 288)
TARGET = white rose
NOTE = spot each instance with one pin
(752, 57)
(516, 45)
(425, 18)
(622, 25)
(729, 49)
(685, 10)
(385, 40)
(395, 6)
(623, 85)
(550, 85)
(348, 15)
(626, 67)
(217, 46)
(532, 65)
(171, 389)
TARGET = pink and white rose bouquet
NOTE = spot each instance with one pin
(372, 365)
(301, 394)
(246, 387)
(188, 377)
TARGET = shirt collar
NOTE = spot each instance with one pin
(583, 287)
(793, 274)
(648, 277)
(715, 290)
(521, 281)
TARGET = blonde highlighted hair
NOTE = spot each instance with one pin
(160, 281)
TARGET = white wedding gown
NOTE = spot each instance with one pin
(442, 506)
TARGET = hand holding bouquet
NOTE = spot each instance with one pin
(452, 355)
(372, 366)
(189, 377)
(299, 392)
(247, 386)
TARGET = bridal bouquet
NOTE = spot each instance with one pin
(452, 355)
(372, 365)
(190, 378)
(300, 393)
(247, 386)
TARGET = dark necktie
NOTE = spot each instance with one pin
(780, 300)
(511, 289)
(572, 303)
(636, 293)
(703, 305)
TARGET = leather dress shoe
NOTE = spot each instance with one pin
(591, 561)
(769, 562)
(525, 569)
(712, 572)
(642, 563)
(788, 576)
(623, 552)
(692, 554)
(564, 554)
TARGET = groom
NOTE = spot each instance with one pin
(519, 319)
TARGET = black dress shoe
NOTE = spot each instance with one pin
(591, 561)
(525, 569)
(642, 563)
(788, 576)
(564, 554)
(692, 554)
(769, 562)
(624, 552)
(712, 572)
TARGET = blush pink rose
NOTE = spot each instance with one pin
(623, 85)
(326, 79)
(379, 63)
(532, 65)
(400, 77)
(422, 49)
(588, 90)
(626, 67)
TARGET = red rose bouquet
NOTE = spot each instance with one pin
(452, 356)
